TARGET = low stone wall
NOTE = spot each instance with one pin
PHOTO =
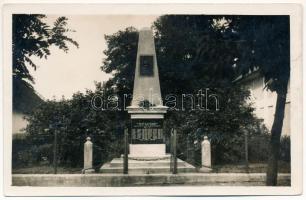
(121, 180)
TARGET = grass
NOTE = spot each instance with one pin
(284, 167)
(45, 169)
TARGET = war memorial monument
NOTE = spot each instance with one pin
(147, 147)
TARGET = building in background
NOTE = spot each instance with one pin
(264, 101)
(25, 100)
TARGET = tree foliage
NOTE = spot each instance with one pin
(197, 55)
(121, 59)
(32, 37)
(264, 44)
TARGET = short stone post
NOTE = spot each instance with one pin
(206, 155)
(88, 156)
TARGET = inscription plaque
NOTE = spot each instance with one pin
(146, 65)
(147, 131)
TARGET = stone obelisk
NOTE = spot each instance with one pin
(146, 110)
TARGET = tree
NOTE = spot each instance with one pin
(200, 54)
(121, 59)
(223, 47)
(33, 37)
(264, 43)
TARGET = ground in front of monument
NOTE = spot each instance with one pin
(173, 107)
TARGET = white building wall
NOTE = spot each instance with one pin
(18, 123)
(264, 102)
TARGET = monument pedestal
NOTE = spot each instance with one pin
(146, 165)
(147, 137)
(147, 150)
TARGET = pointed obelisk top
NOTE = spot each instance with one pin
(146, 80)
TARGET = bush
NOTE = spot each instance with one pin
(25, 153)
(230, 148)
(20, 152)
(259, 148)
(285, 154)
(44, 153)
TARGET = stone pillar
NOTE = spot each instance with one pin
(206, 155)
(88, 156)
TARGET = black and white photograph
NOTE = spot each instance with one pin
(139, 100)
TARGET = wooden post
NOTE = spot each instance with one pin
(246, 150)
(55, 152)
(126, 149)
(174, 153)
(187, 152)
(171, 150)
(190, 150)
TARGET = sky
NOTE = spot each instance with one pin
(63, 74)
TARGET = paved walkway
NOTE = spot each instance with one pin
(121, 180)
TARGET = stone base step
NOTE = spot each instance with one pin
(142, 165)
(141, 170)
(136, 180)
(118, 162)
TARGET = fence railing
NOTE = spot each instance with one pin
(173, 151)
(126, 151)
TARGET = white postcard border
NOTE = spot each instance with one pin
(295, 12)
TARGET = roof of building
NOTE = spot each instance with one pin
(248, 76)
(25, 98)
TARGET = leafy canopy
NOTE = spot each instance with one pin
(264, 44)
(33, 37)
